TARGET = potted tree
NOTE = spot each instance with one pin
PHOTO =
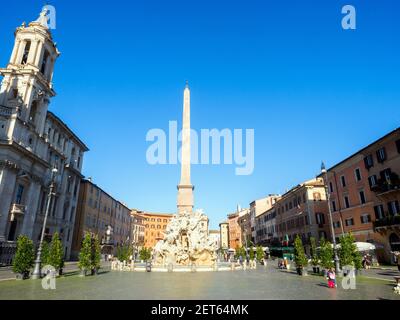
(314, 256)
(326, 255)
(56, 254)
(45, 256)
(259, 253)
(96, 255)
(24, 257)
(85, 255)
(300, 258)
(350, 258)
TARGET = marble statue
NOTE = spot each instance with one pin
(186, 242)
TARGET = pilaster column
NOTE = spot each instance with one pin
(20, 52)
(15, 51)
(39, 54)
(31, 209)
(7, 185)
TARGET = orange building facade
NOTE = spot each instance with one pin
(154, 227)
(235, 233)
(365, 195)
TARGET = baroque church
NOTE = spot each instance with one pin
(34, 141)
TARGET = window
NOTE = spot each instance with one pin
(349, 222)
(343, 181)
(320, 218)
(372, 181)
(14, 93)
(368, 161)
(381, 155)
(362, 197)
(386, 174)
(33, 111)
(365, 218)
(158, 220)
(346, 202)
(357, 172)
(18, 196)
(165, 220)
(330, 187)
(322, 235)
(26, 52)
(317, 196)
(333, 205)
(44, 62)
(379, 214)
(336, 224)
(398, 145)
(394, 207)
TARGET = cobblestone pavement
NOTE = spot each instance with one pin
(269, 283)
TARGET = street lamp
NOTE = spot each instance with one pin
(325, 172)
(37, 272)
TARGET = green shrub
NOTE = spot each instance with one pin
(314, 253)
(348, 253)
(24, 256)
(145, 254)
(45, 255)
(299, 256)
(326, 254)
(260, 253)
(96, 253)
(85, 255)
(56, 254)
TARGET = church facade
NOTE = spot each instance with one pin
(34, 141)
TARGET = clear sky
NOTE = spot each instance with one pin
(286, 69)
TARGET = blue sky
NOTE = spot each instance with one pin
(287, 69)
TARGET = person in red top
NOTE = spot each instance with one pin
(331, 278)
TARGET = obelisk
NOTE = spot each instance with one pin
(185, 188)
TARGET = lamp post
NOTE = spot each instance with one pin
(325, 172)
(37, 272)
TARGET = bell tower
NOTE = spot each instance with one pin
(26, 88)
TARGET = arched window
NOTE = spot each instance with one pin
(26, 52)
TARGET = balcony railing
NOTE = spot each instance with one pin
(387, 221)
(5, 111)
(387, 185)
(7, 252)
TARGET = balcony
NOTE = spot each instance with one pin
(387, 186)
(388, 222)
(17, 210)
(6, 111)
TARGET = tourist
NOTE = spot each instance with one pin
(331, 276)
(255, 263)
